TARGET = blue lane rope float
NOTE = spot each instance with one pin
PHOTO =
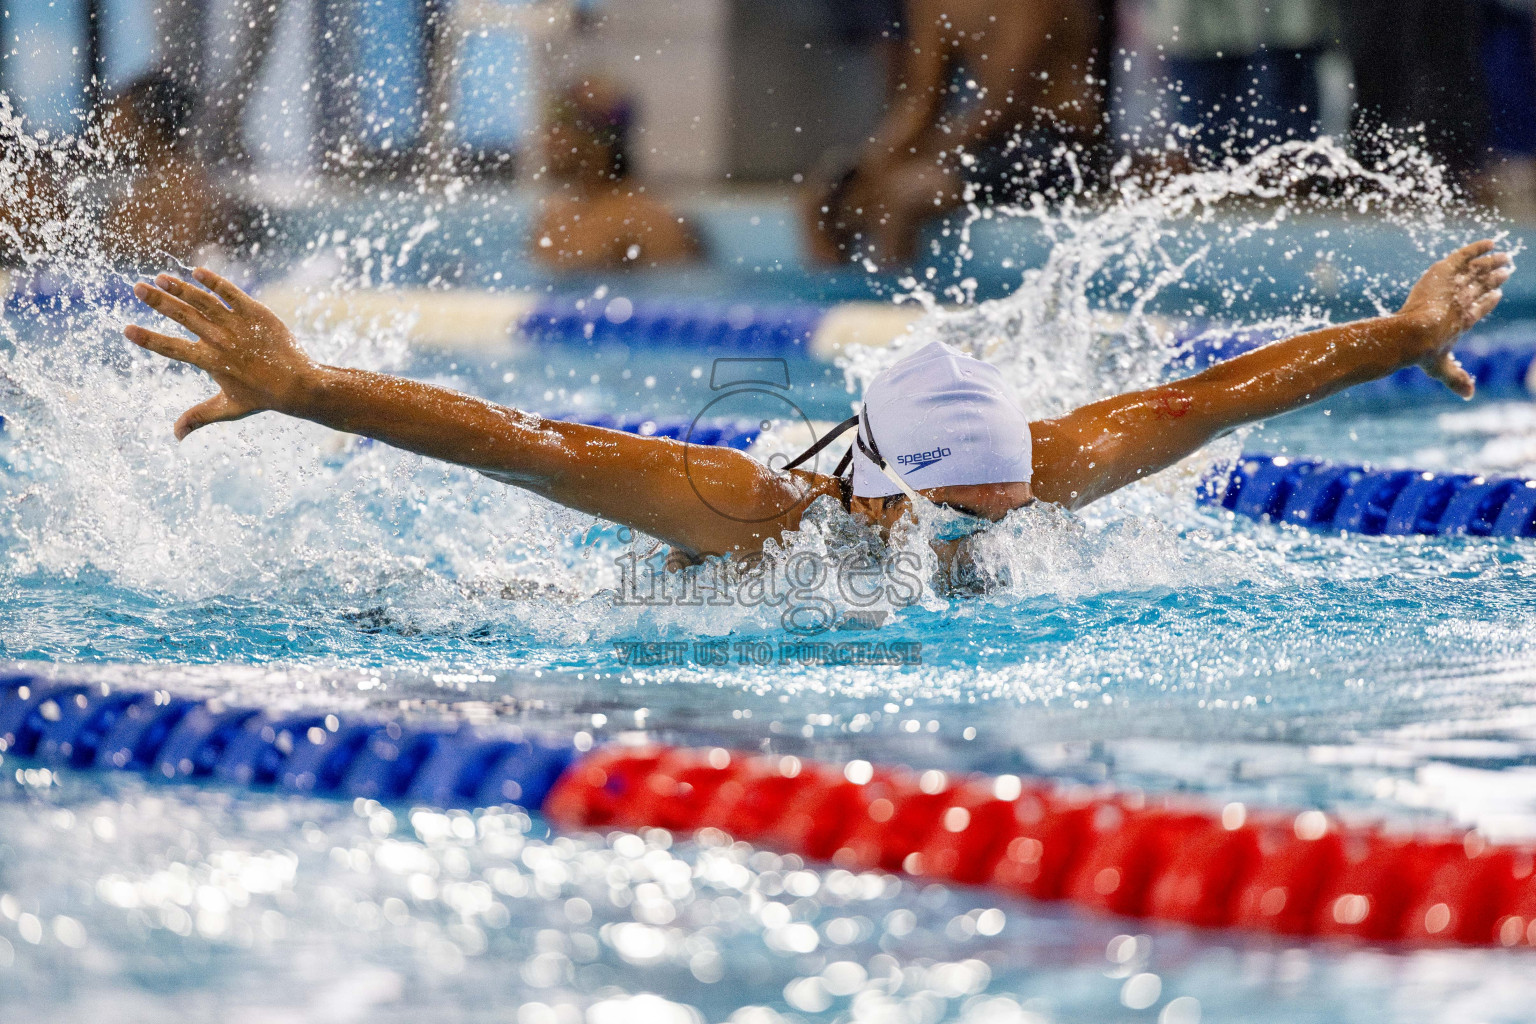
(1387, 502)
(1130, 854)
(781, 329)
(1501, 365)
(1303, 492)
(181, 739)
(784, 329)
(1501, 370)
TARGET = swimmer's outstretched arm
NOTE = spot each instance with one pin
(1100, 448)
(648, 483)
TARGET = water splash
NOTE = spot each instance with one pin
(1105, 313)
(277, 514)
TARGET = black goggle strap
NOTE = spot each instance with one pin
(842, 464)
(826, 439)
(862, 438)
(865, 439)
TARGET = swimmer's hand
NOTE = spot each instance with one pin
(1453, 295)
(247, 350)
(653, 484)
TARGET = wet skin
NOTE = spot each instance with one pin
(1024, 64)
(709, 501)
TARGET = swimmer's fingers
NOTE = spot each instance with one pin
(1491, 261)
(1467, 253)
(1486, 302)
(168, 305)
(1493, 269)
(182, 350)
(236, 299)
(204, 302)
(1449, 372)
(218, 409)
(1486, 276)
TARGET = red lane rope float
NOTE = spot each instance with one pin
(1122, 853)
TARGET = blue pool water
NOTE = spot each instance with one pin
(1149, 642)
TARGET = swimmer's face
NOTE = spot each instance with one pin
(984, 501)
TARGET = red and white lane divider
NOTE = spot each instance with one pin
(1172, 860)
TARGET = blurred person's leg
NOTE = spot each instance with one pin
(1208, 98)
(1416, 62)
(909, 195)
(1050, 162)
(181, 33)
(246, 29)
(1509, 71)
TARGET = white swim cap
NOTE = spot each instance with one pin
(941, 419)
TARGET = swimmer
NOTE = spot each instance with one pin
(596, 217)
(938, 432)
(166, 201)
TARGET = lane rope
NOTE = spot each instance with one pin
(1375, 502)
(1275, 488)
(491, 320)
(1170, 858)
(1272, 488)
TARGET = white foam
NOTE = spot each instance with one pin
(271, 510)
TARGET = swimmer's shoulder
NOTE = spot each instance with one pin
(818, 485)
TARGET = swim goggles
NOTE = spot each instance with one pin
(949, 524)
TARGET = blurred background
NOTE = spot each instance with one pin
(748, 91)
(780, 135)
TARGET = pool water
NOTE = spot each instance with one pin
(1150, 641)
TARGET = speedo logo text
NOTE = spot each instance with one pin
(920, 460)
